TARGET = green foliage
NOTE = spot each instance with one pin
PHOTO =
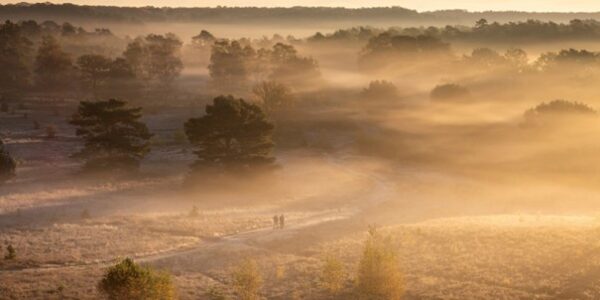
(247, 281)
(8, 165)
(333, 276)
(379, 277)
(11, 253)
(53, 66)
(129, 281)
(114, 137)
(233, 135)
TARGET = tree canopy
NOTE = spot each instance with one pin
(53, 66)
(114, 137)
(234, 134)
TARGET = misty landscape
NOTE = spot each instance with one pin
(298, 153)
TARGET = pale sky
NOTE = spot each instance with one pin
(421, 5)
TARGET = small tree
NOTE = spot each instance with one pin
(130, 281)
(333, 276)
(114, 136)
(233, 134)
(247, 281)
(273, 95)
(53, 66)
(379, 277)
(94, 69)
(8, 165)
(11, 253)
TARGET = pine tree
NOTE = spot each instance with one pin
(114, 137)
(234, 134)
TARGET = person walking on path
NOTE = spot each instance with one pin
(281, 221)
(275, 222)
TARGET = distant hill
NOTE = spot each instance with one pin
(296, 15)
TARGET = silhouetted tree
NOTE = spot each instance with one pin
(15, 50)
(53, 67)
(273, 95)
(8, 165)
(231, 64)
(155, 57)
(288, 66)
(380, 89)
(94, 68)
(450, 92)
(203, 40)
(130, 281)
(557, 110)
(114, 137)
(234, 134)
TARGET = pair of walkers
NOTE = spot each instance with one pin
(278, 222)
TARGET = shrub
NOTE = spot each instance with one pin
(130, 281)
(379, 277)
(380, 89)
(450, 92)
(11, 253)
(332, 276)
(247, 281)
(557, 110)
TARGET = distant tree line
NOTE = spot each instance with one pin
(522, 31)
(300, 15)
(36, 55)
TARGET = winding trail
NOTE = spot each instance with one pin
(379, 192)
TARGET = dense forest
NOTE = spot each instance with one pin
(70, 12)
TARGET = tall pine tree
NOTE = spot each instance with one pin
(114, 137)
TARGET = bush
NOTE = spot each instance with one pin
(450, 92)
(11, 253)
(333, 276)
(130, 281)
(557, 111)
(380, 89)
(247, 281)
(379, 277)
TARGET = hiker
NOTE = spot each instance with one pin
(281, 221)
(275, 222)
